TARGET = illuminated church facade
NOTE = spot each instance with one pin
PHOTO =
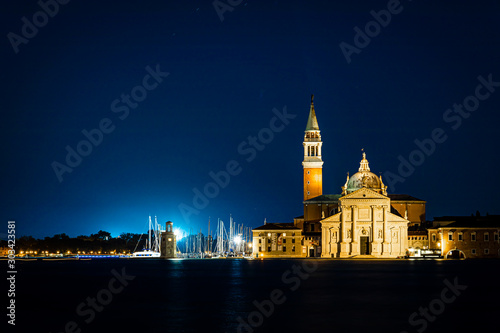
(363, 221)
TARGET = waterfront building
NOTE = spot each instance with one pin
(466, 236)
(278, 240)
(418, 243)
(362, 220)
(4, 251)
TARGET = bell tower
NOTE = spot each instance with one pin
(313, 164)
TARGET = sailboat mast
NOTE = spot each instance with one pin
(157, 236)
(149, 234)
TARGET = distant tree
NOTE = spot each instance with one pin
(126, 236)
(26, 243)
(60, 237)
(101, 235)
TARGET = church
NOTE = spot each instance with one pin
(362, 221)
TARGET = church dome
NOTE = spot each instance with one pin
(364, 178)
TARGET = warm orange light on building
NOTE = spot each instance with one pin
(313, 182)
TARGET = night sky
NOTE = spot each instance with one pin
(214, 87)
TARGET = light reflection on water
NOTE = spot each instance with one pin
(209, 295)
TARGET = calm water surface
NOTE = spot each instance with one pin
(236, 295)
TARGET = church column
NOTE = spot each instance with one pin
(344, 252)
(403, 240)
(386, 245)
(325, 249)
(375, 240)
(354, 241)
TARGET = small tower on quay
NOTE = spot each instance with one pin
(313, 163)
(168, 241)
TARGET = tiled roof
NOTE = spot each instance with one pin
(403, 197)
(330, 198)
(334, 198)
(277, 226)
(489, 221)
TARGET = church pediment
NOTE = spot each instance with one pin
(394, 218)
(333, 218)
(363, 193)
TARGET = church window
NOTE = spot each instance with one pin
(284, 240)
(486, 237)
(312, 227)
(284, 248)
(433, 237)
(473, 236)
(260, 249)
(486, 251)
(308, 193)
(460, 237)
(473, 251)
(496, 237)
(260, 241)
(293, 240)
(293, 248)
(308, 182)
(450, 236)
(268, 249)
(308, 172)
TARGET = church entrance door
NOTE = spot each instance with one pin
(364, 245)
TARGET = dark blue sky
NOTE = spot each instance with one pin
(225, 78)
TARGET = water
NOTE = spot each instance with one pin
(225, 295)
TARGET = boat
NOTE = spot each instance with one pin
(152, 248)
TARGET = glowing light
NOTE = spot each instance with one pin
(179, 234)
(237, 239)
